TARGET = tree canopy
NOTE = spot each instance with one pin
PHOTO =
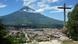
(72, 23)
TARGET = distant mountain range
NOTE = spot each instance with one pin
(26, 16)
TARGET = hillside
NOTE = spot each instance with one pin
(26, 17)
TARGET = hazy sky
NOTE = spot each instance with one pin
(46, 7)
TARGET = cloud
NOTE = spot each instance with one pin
(28, 2)
(48, 8)
(40, 10)
(2, 5)
(53, 0)
(38, 5)
(42, 5)
(61, 10)
(53, 9)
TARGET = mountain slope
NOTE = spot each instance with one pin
(25, 16)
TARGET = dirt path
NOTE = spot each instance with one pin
(51, 42)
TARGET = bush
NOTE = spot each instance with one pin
(3, 33)
(72, 23)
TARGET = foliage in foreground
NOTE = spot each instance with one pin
(72, 23)
(3, 32)
(5, 38)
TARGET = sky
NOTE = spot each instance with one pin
(45, 7)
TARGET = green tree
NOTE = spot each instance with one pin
(72, 23)
(3, 32)
(3, 39)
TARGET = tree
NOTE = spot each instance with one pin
(72, 23)
(3, 32)
(10, 39)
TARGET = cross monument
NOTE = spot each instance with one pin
(64, 7)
